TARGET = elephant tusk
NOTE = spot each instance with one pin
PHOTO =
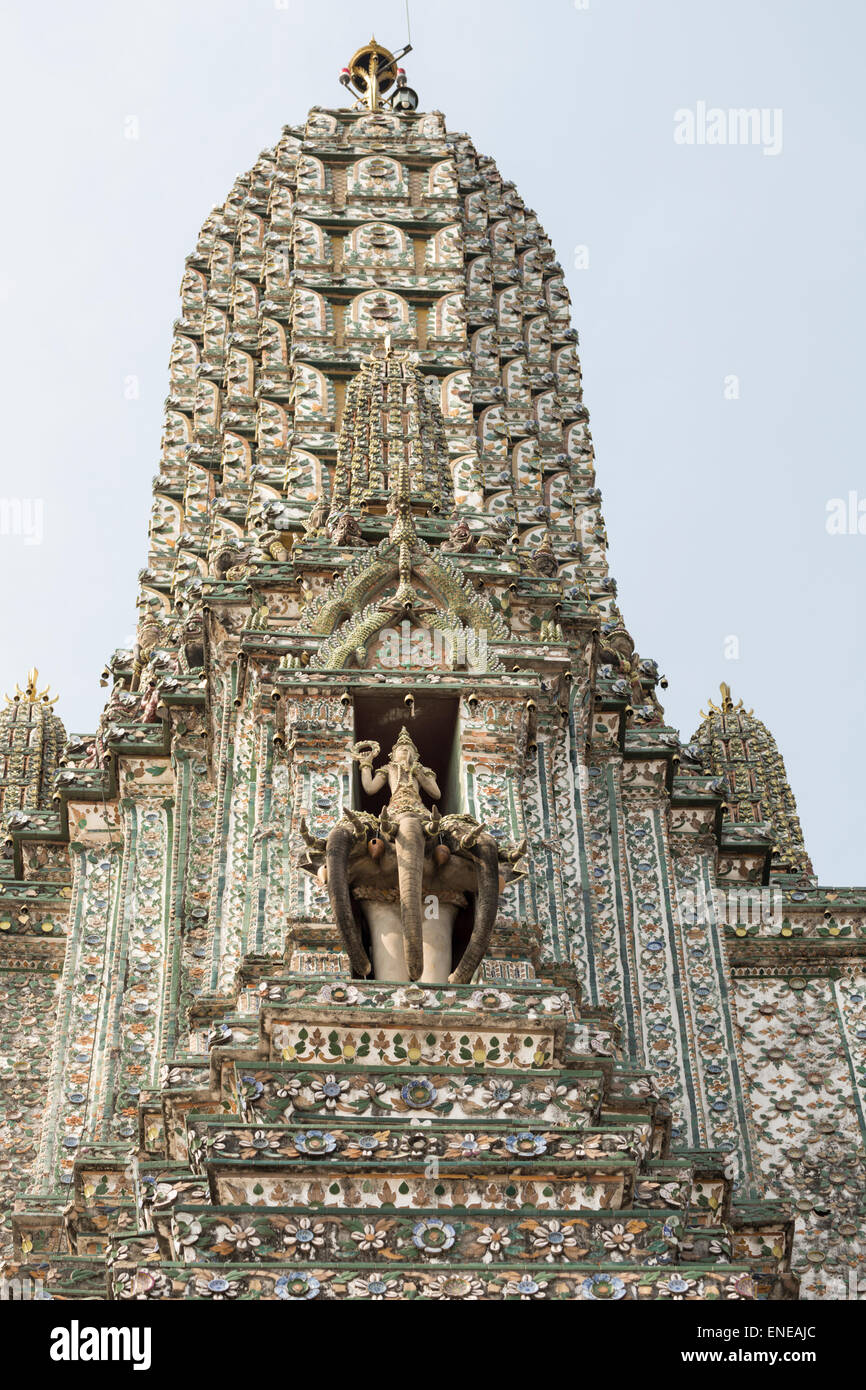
(312, 841)
(511, 856)
(387, 827)
(470, 839)
(355, 821)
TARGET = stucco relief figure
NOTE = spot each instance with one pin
(416, 945)
(410, 872)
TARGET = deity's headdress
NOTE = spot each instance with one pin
(404, 739)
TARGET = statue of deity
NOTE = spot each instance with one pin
(409, 873)
(406, 776)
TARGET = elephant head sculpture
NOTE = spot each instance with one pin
(409, 872)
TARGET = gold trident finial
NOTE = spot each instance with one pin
(727, 706)
(31, 691)
(372, 72)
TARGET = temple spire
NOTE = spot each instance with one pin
(736, 746)
(392, 454)
(32, 737)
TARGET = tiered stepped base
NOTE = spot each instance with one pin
(375, 1141)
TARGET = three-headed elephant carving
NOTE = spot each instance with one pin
(396, 883)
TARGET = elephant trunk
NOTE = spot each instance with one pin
(339, 845)
(409, 844)
(486, 906)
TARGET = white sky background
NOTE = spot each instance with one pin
(704, 262)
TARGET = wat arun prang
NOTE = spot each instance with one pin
(384, 941)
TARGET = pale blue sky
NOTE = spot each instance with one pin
(704, 262)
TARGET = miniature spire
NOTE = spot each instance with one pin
(32, 737)
(392, 454)
(736, 746)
